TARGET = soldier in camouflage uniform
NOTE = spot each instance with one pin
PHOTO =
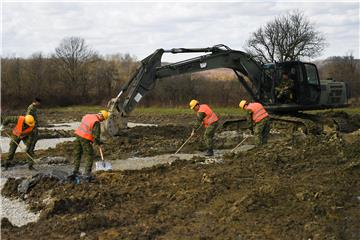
(285, 90)
(87, 134)
(259, 118)
(32, 110)
(206, 117)
(21, 132)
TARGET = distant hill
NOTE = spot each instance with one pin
(322, 63)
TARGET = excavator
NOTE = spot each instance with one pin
(259, 80)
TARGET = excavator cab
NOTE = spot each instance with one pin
(303, 88)
(301, 82)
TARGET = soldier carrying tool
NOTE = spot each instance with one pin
(88, 133)
(32, 110)
(258, 116)
(21, 132)
(209, 120)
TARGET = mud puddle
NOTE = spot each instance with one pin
(73, 125)
(62, 126)
(132, 124)
(132, 163)
(42, 144)
(137, 163)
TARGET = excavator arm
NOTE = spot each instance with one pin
(248, 71)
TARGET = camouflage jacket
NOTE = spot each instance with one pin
(199, 120)
(32, 110)
(96, 133)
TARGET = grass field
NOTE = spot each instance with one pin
(143, 110)
(176, 110)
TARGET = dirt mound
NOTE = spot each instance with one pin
(279, 191)
(343, 121)
(146, 141)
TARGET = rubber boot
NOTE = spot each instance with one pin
(88, 177)
(74, 177)
(31, 165)
(5, 166)
(209, 152)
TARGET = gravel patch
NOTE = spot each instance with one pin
(16, 210)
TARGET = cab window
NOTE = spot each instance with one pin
(311, 73)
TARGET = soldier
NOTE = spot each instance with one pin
(32, 110)
(88, 133)
(206, 117)
(285, 90)
(258, 116)
(21, 132)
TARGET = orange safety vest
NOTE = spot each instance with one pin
(18, 129)
(210, 116)
(258, 111)
(86, 126)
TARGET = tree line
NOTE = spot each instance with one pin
(69, 78)
(75, 74)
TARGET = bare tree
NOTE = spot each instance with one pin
(289, 37)
(74, 57)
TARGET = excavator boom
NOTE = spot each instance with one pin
(143, 80)
(260, 81)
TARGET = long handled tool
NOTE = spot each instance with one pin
(183, 144)
(187, 140)
(239, 144)
(102, 165)
(20, 147)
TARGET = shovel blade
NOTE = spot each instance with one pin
(103, 166)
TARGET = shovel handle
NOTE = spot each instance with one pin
(11, 139)
(183, 144)
(239, 144)
(101, 153)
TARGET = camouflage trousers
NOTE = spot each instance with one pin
(33, 139)
(83, 147)
(13, 146)
(209, 135)
(261, 131)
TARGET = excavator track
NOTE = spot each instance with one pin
(308, 123)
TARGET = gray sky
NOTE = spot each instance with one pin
(139, 28)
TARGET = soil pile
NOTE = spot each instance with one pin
(280, 191)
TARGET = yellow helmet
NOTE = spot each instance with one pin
(29, 120)
(193, 103)
(242, 104)
(105, 114)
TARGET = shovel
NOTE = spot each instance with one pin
(102, 165)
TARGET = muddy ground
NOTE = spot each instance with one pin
(297, 187)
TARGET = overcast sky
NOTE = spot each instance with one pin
(140, 28)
